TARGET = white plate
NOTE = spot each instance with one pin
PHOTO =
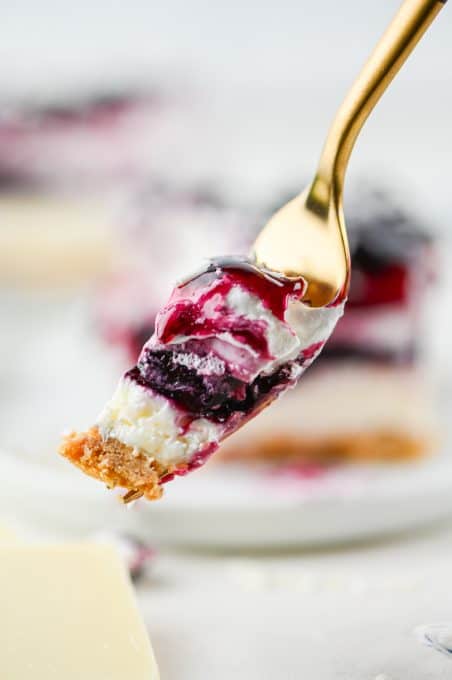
(235, 506)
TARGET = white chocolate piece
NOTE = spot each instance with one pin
(68, 611)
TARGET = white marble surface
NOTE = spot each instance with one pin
(344, 614)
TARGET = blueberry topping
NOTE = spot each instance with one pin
(216, 397)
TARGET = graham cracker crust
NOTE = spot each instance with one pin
(353, 447)
(115, 464)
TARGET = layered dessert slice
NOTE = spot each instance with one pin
(369, 397)
(230, 341)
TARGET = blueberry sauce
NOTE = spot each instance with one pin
(186, 317)
(309, 353)
(194, 463)
(274, 291)
(186, 312)
(214, 397)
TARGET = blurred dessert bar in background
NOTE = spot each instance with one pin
(368, 396)
(68, 158)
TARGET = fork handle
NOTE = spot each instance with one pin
(402, 35)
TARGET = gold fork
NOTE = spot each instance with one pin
(307, 237)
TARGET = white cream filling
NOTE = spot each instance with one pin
(148, 422)
(312, 324)
(303, 327)
(283, 343)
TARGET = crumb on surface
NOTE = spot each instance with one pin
(115, 464)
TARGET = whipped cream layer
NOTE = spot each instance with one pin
(228, 343)
(148, 422)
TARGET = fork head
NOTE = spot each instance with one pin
(307, 238)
